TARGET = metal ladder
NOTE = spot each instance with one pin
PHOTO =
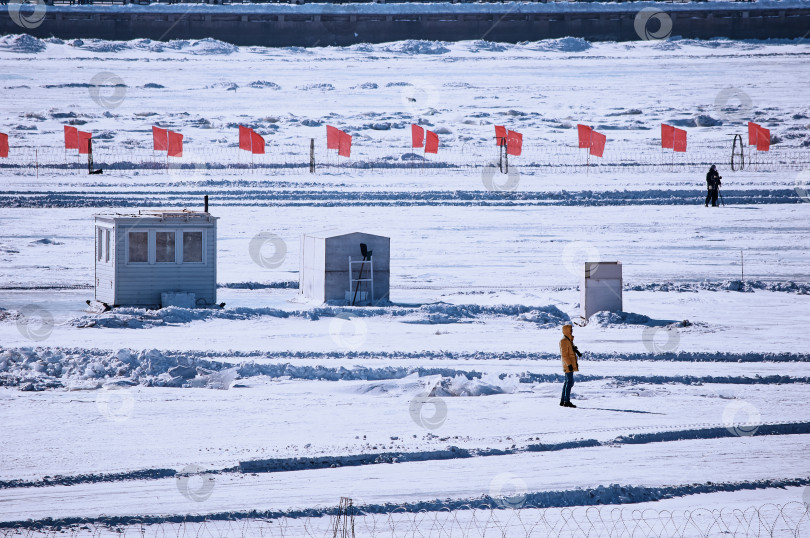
(354, 283)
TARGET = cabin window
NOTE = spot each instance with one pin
(106, 245)
(99, 244)
(139, 247)
(164, 247)
(192, 247)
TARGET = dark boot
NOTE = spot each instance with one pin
(569, 404)
(562, 403)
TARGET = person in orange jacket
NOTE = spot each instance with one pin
(568, 352)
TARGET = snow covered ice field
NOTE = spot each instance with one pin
(436, 412)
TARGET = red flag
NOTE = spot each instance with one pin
(344, 144)
(679, 140)
(763, 139)
(514, 143)
(597, 143)
(175, 147)
(160, 139)
(417, 136)
(752, 133)
(3, 145)
(244, 138)
(431, 142)
(256, 143)
(500, 135)
(71, 137)
(84, 142)
(584, 133)
(332, 137)
(667, 136)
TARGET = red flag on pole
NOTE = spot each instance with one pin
(244, 138)
(71, 137)
(3, 145)
(500, 135)
(763, 139)
(344, 144)
(514, 143)
(84, 142)
(417, 136)
(332, 137)
(175, 148)
(598, 141)
(584, 133)
(256, 143)
(752, 133)
(431, 142)
(679, 140)
(667, 136)
(160, 139)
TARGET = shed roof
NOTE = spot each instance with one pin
(337, 232)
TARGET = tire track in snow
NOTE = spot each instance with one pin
(333, 198)
(614, 494)
(305, 463)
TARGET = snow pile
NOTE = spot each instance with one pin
(461, 386)
(51, 368)
(565, 44)
(22, 43)
(488, 46)
(441, 313)
(210, 46)
(264, 84)
(416, 46)
(607, 319)
(788, 286)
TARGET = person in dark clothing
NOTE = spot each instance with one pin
(713, 185)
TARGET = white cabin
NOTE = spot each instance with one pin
(148, 258)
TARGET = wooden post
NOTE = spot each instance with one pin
(311, 155)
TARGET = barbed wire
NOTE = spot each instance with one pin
(768, 520)
(294, 159)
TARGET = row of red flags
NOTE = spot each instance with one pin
(76, 139)
(673, 138)
(339, 140)
(249, 140)
(168, 141)
(512, 140)
(759, 136)
(592, 140)
(424, 139)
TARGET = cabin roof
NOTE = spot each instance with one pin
(157, 214)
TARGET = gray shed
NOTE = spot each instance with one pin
(325, 261)
(151, 258)
(601, 288)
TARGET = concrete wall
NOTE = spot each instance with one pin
(283, 28)
(601, 289)
(142, 284)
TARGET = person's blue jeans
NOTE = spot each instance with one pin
(567, 386)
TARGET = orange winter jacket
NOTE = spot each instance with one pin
(569, 358)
